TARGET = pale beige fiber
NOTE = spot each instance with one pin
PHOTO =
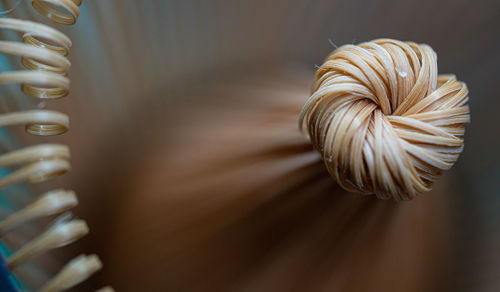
(383, 119)
(43, 51)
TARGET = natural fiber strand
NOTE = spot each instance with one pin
(383, 119)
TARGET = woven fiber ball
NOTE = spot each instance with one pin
(383, 119)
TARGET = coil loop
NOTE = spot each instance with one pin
(43, 53)
(48, 9)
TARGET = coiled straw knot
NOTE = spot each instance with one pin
(383, 119)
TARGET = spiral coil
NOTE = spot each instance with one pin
(43, 52)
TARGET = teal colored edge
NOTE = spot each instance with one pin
(9, 142)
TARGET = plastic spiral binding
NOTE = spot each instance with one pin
(43, 53)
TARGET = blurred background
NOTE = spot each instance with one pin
(192, 174)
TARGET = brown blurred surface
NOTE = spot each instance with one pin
(230, 197)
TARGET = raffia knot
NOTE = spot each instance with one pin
(383, 119)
